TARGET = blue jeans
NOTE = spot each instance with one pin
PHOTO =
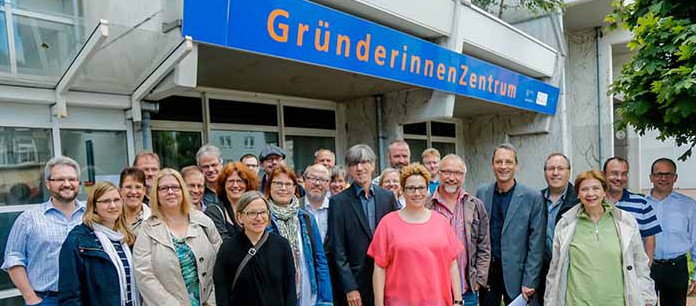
(47, 301)
(470, 298)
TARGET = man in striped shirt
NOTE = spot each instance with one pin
(616, 171)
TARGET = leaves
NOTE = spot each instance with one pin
(659, 83)
(497, 7)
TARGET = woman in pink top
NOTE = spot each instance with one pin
(415, 251)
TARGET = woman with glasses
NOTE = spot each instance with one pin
(598, 256)
(132, 188)
(338, 180)
(95, 264)
(415, 237)
(268, 276)
(175, 251)
(389, 180)
(234, 180)
(301, 230)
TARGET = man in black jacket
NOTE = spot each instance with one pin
(353, 218)
(559, 197)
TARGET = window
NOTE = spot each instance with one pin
(176, 149)
(301, 149)
(53, 7)
(234, 144)
(180, 109)
(23, 155)
(4, 46)
(431, 134)
(101, 154)
(234, 112)
(309, 118)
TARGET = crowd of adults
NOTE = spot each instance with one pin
(256, 232)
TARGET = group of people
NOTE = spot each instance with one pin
(256, 232)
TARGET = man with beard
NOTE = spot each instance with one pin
(149, 162)
(469, 220)
(399, 155)
(209, 161)
(316, 199)
(33, 246)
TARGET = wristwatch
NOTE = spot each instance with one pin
(458, 302)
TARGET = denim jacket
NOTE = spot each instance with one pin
(319, 274)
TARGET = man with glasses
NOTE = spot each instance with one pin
(616, 172)
(354, 215)
(251, 161)
(467, 215)
(316, 199)
(33, 246)
(559, 197)
(209, 159)
(517, 226)
(677, 213)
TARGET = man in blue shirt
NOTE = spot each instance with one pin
(616, 171)
(677, 213)
(31, 256)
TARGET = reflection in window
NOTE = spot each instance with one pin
(4, 45)
(43, 47)
(101, 154)
(23, 155)
(6, 222)
(417, 147)
(234, 144)
(66, 8)
(301, 149)
(445, 148)
(176, 149)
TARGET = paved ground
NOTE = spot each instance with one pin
(691, 301)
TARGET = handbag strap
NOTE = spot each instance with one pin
(249, 255)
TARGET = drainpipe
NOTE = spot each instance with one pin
(147, 131)
(380, 135)
(598, 34)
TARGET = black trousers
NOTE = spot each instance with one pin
(671, 280)
(496, 286)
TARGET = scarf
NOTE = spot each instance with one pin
(288, 221)
(105, 236)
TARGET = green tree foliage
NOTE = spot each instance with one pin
(536, 6)
(659, 83)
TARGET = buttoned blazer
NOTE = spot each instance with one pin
(522, 238)
(348, 238)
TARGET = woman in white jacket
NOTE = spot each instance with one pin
(598, 256)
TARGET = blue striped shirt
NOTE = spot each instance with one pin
(644, 213)
(35, 240)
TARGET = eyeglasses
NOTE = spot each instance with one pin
(254, 214)
(238, 182)
(69, 180)
(317, 180)
(174, 188)
(451, 172)
(279, 184)
(413, 189)
(663, 174)
(209, 166)
(558, 168)
(110, 201)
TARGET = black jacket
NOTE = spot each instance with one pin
(348, 238)
(86, 274)
(570, 200)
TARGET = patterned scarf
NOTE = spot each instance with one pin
(288, 222)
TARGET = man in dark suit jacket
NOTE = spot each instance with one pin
(517, 222)
(559, 197)
(353, 218)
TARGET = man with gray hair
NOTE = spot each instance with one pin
(325, 157)
(467, 215)
(354, 215)
(316, 199)
(33, 246)
(209, 161)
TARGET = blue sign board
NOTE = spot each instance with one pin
(307, 32)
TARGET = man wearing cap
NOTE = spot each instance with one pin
(271, 157)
